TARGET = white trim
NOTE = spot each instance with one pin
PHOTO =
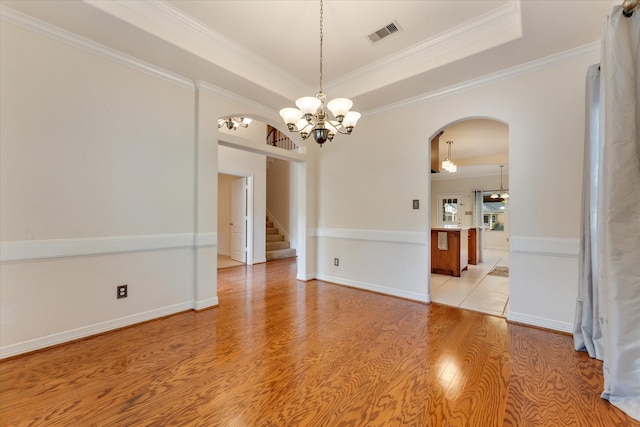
(26, 250)
(496, 77)
(414, 296)
(305, 277)
(165, 21)
(74, 40)
(207, 303)
(501, 25)
(216, 90)
(550, 246)
(540, 322)
(87, 331)
(411, 237)
(206, 239)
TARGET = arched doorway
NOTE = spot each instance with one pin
(462, 198)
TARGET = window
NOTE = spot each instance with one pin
(450, 208)
(493, 212)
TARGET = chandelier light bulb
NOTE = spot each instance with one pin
(339, 107)
(308, 105)
(290, 116)
(350, 120)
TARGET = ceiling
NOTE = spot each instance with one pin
(268, 51)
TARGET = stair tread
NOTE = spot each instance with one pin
(278, 245)
(281, 253)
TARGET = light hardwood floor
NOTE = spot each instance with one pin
(280, 352)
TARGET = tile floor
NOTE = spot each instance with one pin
(474, 289)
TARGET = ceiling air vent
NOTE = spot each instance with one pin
(383, 32)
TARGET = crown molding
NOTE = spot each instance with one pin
(496, 77)
(208, 87)
(163, 20)
(494, 28)
(45, 29)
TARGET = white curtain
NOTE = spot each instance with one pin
(607, 321)
(477, 208)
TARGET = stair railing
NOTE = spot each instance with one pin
(275, 138)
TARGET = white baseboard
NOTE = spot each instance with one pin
(207, 303)
(87, 331)
(540, 322)
(376, 288)
(306, 277)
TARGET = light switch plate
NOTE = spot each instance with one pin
(416, 204)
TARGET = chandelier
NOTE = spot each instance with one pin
(233, 123)
(447, 163)
(311, 117)
(502, 194)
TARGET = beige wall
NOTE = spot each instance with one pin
(224, 213)
(279, 191)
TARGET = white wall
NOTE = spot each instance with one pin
(361, 199)
(96, 158)
(109, 176)
(104, 181)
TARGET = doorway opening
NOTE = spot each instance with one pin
(235, 219)
(463, 199)
(279, 195)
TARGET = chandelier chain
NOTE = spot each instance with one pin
(321, 41)
(312, 115)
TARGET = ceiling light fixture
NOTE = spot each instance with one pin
(447, 163)
(311, 117)
(502, 194)
(233, 123)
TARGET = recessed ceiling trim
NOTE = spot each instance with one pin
(55, 33)
(499, 26)
(508, 73)
(163, 20)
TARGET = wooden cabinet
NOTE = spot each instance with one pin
(454, 259)
(475, 245)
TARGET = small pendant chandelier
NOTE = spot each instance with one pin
(233, 123)
(447, 163)
(311, 117)
(502, 194)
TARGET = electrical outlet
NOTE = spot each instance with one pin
(336, 262)
(122, 291)
(416, 204)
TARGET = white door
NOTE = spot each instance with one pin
(239, 220)
(450, 210)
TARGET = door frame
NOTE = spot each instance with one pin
(250, 213)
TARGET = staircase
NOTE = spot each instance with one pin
(277, 247)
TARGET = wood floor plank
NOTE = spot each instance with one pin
(280, 352)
